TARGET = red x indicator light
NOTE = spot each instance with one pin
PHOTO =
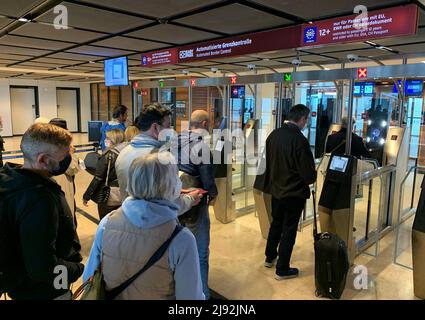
(193, 82)
(362, 73)
(233, 80)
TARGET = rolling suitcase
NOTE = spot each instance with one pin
(331, 262)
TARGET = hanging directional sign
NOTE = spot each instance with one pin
(161, 84)
(233, 80)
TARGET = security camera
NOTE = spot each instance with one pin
(214, 70)
(251, 66)
(296, 61)
(352, 57)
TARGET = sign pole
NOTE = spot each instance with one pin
(349, 119)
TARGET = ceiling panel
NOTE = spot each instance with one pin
(231, 67)
(96, 19)
(41, 64)
(33, 43)
(84, 69)
(31, 65)
(233, 19)
(242, 59)
(366, 53)
(47, 31)
(420, 36)
(269, 63)
(17, 50)
(4, 21)
(13, 57)
(308, 9)
(312, 58)
(154, 8)
(413, 48)
(74, 56)
(173, 34)
(17, 8)
(197, 64)
(129, 44)
(5, 62)
(56, 61)
(345, 47)
(105, 52)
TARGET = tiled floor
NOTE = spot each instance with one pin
(237, 256)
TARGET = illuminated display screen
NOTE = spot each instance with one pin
(339, 163)
(414, 88)
(237, 92)
(116, 72)
(363, 89)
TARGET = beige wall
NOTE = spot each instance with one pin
(47, 100)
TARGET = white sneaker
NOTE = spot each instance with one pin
(268, 264)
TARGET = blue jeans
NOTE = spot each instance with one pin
(201, 231)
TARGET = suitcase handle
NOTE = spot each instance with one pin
(314, 215)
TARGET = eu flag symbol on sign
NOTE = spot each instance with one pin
(310, 34)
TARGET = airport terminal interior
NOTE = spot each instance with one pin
(246, 63)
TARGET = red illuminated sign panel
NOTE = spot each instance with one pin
(362, 73)
(169, 56)
(193, 82)
(233, 80)
(313, 114)
(144, 92)
(391, 22)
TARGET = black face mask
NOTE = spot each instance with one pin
(63, 166)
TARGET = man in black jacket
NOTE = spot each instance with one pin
(197, 171)
(336, 142)
(41, 226)
(290, 170)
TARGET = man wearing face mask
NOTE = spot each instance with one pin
(41, 234)
(152, 120)
(290, 170)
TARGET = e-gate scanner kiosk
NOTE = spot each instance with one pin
(336, 204)
(418, 246)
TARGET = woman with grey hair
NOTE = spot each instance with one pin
(128, 237)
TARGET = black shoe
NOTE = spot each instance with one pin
(290, 273)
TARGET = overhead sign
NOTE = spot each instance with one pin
(391, 22)
(193, 82)
(271, 40)
(287, 76)
(362, 73)
(151, 59)
(233, 80)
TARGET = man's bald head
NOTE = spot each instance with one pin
(199, 119)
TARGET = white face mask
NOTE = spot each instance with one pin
(108, 143)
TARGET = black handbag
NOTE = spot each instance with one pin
(101, 195)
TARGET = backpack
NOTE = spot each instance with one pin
(12, 268)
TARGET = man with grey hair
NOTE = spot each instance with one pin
(191, 148)
(39, 240)
(336, 142)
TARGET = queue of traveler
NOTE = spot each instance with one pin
(142, 202)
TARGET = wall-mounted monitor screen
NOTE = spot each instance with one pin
(116, 72)
(339, 163)
(414, 88)
(237, 92)
(94, 131)
(363, 89)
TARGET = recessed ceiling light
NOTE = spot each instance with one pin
(423, 61)
(326, 68)
(24, 20)
(91, 61)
